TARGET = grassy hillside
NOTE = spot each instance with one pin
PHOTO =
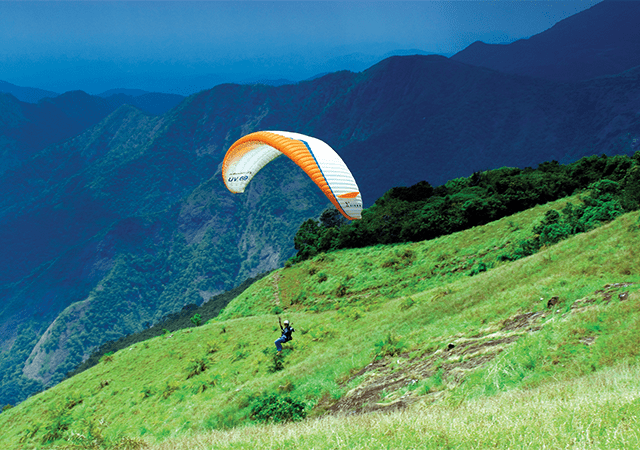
(537, 352)
(129, 220)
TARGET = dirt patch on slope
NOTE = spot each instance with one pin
(389, 384)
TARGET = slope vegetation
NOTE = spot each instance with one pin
(410, 328)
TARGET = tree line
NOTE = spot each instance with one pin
(421, 212)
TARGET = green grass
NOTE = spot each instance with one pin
(478, 355)
(595, 411)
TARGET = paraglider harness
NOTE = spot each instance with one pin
(286, 331)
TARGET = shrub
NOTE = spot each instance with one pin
(276, 360)
(196, 367)
(277, 363)
(481, 267)
(203, 385)
(200, 387)
(388, 346)
(239, 355)
(212, 347)
(214, 379)
(107, 357)
(322, 277)
(341, 290)
(58, 426)
(146, 392)
(170, 388)
(271, 407)
(408, 254)
(196, 320)
(390, 262)
(353, 313)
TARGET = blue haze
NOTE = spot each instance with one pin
(183, 47)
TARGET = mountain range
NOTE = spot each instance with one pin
(26, 94)
(26, 128)
(602, 40)
(112, 217)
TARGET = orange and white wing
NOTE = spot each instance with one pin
(324, 166)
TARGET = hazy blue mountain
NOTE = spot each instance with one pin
(602, 40)
(270, 82)
(129, 92)
(26, 94)
(151, 102)
(289, 69)
(439, 119)
(129, 220)
(27, 128)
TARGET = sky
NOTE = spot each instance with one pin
(184, 46)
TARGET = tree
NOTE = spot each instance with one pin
(306, 240)
(331, 218)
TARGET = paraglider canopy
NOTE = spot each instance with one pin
(252, 152)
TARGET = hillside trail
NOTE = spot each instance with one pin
(386, 383)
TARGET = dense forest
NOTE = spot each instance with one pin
(420, 212)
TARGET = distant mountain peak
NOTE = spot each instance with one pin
(409, 62)
(26, 94)
(601, 40)
(129, 92)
